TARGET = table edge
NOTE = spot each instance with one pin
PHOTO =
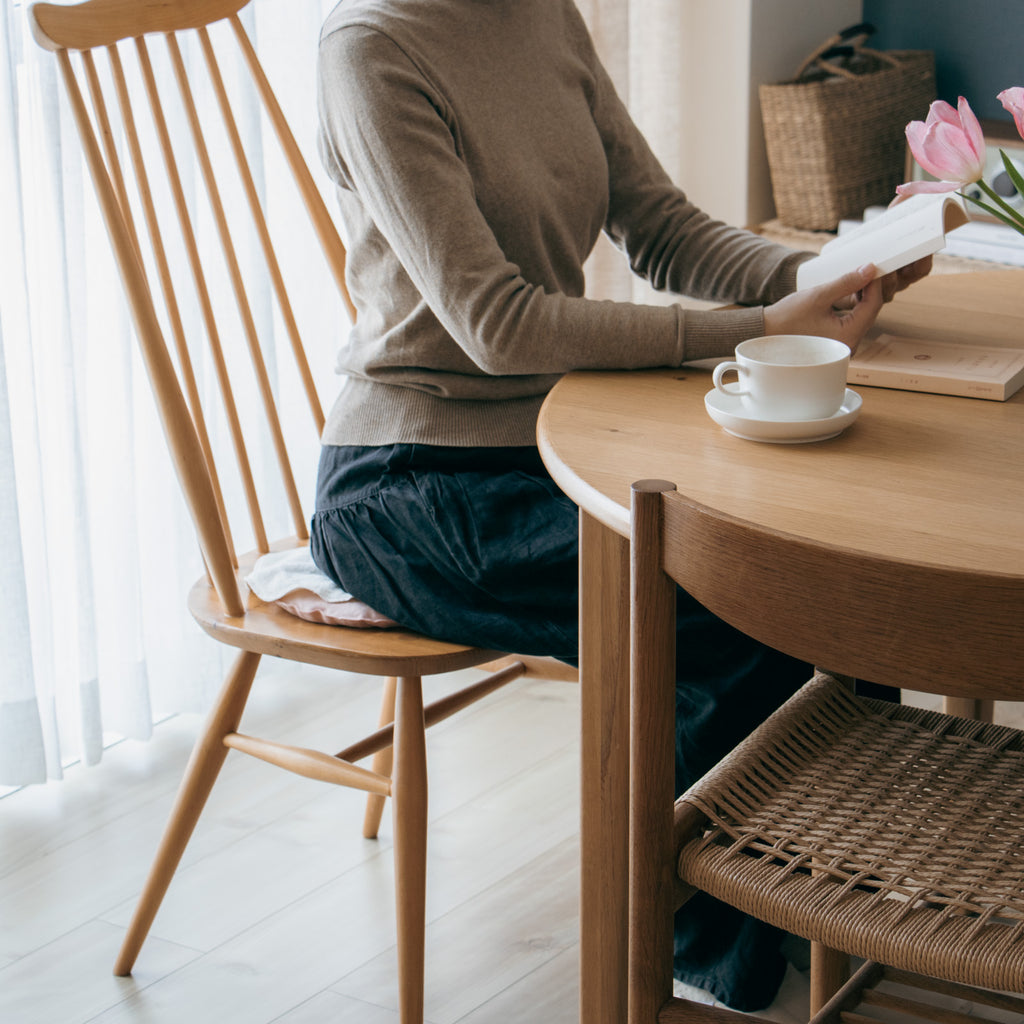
(589, 499)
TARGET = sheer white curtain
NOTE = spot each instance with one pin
(96, 550)
(642, 44)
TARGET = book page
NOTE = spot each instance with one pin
(883, 218)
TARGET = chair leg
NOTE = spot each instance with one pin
(830, 971)
(203, 766)
(382, 763)
(409, 811)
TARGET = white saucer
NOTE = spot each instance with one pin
(729, 413)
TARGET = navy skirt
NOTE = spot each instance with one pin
(479, 546)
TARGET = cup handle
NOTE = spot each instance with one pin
(720, 371)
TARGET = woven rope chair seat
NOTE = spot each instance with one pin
(884, 831)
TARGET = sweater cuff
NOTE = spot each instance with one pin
(713, 333)
(785, 278)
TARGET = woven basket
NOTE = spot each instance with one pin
(835, 133)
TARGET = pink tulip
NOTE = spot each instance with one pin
(950, 145)
(1013, 101)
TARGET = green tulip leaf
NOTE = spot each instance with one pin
(1015, 175)
(997, 213)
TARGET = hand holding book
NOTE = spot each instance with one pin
(844, 307)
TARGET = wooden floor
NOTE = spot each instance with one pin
(281, 911)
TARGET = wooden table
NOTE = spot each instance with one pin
(917, 477)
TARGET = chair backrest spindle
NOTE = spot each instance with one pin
(171, 305)
(330, 242)
(106, 135)
(260, 223)
(238, 288)
(185, 451)
(155, 269)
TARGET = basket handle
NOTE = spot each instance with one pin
(846, 43)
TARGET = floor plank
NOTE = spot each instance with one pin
(548, 994)
(69, 980)
(329, 1006)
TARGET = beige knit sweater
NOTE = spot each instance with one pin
(479, 148)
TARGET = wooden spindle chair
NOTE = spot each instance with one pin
(164, 268)
(871, 828)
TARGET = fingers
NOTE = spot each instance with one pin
(859, 320)
(855, 299)
(914, 272)
(863, 314)
(843, 309)
(905, 277)
(849, 284)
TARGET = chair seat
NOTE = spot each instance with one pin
(268, 629)
(883, 831)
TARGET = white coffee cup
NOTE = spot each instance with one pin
(787, 377)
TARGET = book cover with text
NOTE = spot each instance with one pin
(911, 364)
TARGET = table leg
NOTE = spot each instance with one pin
(604, 782)
(967, 707)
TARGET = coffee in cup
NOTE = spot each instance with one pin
(787, 377)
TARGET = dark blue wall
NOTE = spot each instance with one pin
(978, 46)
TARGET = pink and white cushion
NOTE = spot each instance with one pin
(291, 580)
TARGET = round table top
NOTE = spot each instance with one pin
(924, 478)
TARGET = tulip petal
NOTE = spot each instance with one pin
(940, 111)
(919, 139)
(939, 149)
(953, 153)
(915, 136)
(1013, 101)
(972, 132)
(915, 188)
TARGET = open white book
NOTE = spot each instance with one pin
(913, 228)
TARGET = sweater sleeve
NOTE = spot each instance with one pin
(668, 240)
(390, 138)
